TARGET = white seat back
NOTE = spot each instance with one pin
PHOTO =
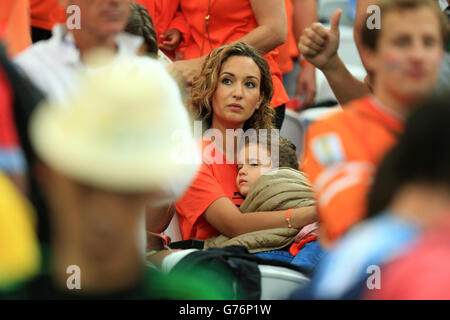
(173, 229)
(292, 129)
(278, 283)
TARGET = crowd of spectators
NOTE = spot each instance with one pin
(119, 118)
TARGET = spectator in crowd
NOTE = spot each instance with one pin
(98, 169)
(319, 46)
(171, 28)
(271, 185)
(15, 26)
(421, 173)
(283, 187)
(259, 23)
(299, 76)
(15, 36)
(233, 91)
(404, 56)
(11, 159)
(55, 65)
(45, 14)
(410, 196)
(422, 272)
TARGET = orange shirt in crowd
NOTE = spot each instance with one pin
(342, 152)
(213, 181)
(228, 21)
(15, 25)
(288, 50)
(46, 13)
(165, 16)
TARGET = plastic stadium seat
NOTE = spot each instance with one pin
(292, 129)
(310, 115)
(295, 124)
(277, 283)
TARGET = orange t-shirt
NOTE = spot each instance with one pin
(289, 49)
(165, 16)
(342, 152)
(213, 181)
(15, 25)
(46, 13)
(229, 21)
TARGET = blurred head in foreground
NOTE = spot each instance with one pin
(102, 156)
(413, 180)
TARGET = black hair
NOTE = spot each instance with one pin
(141, 24)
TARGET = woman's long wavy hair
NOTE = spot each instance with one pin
(204, 86)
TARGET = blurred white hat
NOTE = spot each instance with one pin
(126, 130)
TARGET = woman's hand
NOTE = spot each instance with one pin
(301, 217)
(187, 69)
(171, 40)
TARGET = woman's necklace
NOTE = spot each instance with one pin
(207, 19)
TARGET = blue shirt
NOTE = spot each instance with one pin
(343, 273)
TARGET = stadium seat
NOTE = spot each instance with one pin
(292, 129)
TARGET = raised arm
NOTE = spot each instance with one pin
(223, 215)
(305, 14)
(319, 46)
(272, 25)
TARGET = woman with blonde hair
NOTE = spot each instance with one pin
(232, 94)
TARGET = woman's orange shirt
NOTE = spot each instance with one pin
(165, 16)
(229, 21)
(214, 180)
(46, 13)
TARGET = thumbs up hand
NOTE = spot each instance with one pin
(319, 45)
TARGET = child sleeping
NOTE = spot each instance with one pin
(268, 187)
